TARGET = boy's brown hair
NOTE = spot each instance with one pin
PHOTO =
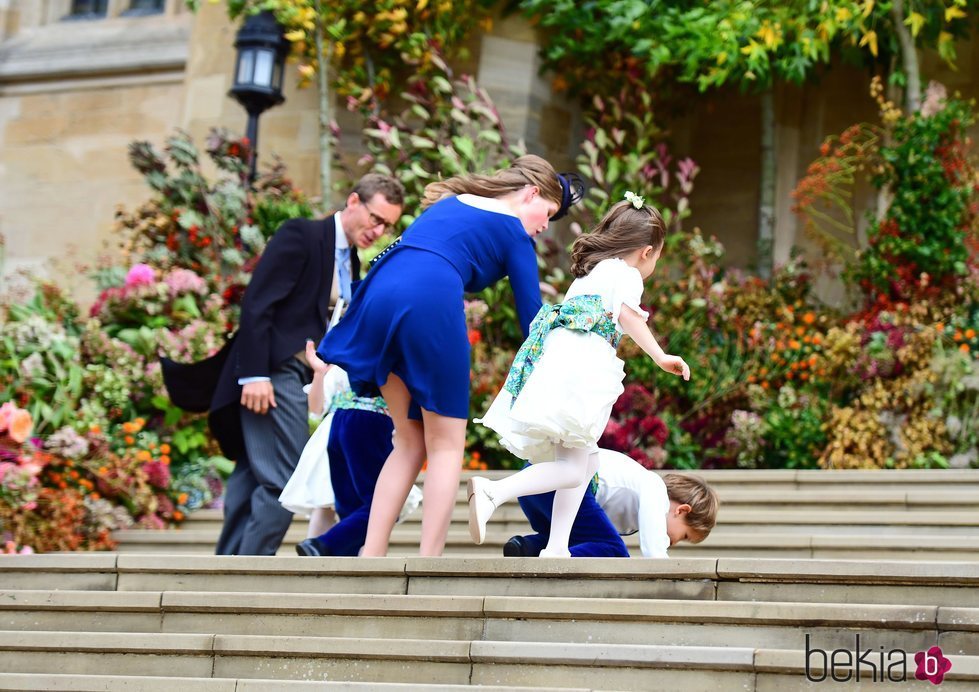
(687, 489)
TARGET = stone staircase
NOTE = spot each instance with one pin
(894, 515)
(720, 621)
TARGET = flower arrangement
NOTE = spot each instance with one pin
(109, 449)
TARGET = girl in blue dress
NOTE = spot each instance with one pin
(405, 331)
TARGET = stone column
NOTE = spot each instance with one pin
(509, 69)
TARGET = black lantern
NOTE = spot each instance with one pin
(262, 49)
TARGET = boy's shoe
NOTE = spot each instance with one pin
(516, 547)
(309, 548)
(481, 507)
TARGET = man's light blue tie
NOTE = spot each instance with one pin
(343, 272)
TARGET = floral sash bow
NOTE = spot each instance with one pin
(347, 400)
(580, 313)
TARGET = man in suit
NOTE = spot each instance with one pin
(306, 266)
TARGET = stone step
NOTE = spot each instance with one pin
(872, 480)
(128, 683)
(950, 584)
(749, 542)
(510, 519)
(494, 618)
(569, 665)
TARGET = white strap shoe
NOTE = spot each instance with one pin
(481, 508)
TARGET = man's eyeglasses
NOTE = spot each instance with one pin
(377, 220)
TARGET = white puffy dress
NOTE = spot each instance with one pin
(310, 485)
(568, 398)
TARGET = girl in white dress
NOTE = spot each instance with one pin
(565, 378)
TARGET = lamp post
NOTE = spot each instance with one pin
(262, 49)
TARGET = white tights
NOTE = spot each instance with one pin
(568, 476)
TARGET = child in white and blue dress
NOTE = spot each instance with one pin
(565, 378)
(337, 472)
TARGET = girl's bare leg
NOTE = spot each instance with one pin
(321, 520)
(399, 471)
(445, 441)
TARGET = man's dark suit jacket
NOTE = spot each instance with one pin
(286, 302)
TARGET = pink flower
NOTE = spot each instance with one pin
(184, 281)
(141, 275)
(655, 428)
(157, 474)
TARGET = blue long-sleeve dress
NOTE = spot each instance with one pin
(406, 317)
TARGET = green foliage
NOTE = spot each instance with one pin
(624, 150)
(371, 48)
(208, 227)
(116, 451)
(40, 368)
(448, 127)
(599, 46)
(923, 238)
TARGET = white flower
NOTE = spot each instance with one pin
(953, 424)
(634, 199)
(32, 366)
(964, 460)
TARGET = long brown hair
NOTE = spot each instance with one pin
(526, 170)
(622, 230)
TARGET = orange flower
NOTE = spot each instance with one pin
(970, 334)
(165, 460)
(809, 318)
(178, 516)
(143, 455)
(964, 348)
(816, 340)
(795, 345)
(140, 422)
(182, 499)
(128, 427)
(940, 326)
(95, 429)
(94, 496)
(164, 448)
(958, 335)
(20, 425)
(129, 439)
(800, 331)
